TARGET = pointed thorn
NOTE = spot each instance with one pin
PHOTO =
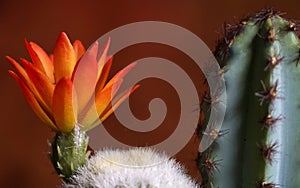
(268, 151)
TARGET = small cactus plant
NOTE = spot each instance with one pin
(131, 168)
(258, 145)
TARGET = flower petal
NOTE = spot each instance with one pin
(117, 102)
(51, 58)
(37, 109)
(44, 59)
(104, 74)
(35, 60)
(78, 49)
(105, 97)
(63, 108)
(101, 102)
(103, 56)
(64, 57)
(20, 71)
(120, 74)
(41, 82)
(94, 50)
(85, 78)
(27, 81)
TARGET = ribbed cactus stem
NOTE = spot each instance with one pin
(69, 152)
(260, 57)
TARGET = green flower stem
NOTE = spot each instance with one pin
(69, 152)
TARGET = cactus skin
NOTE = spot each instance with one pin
(69, 152)
(260, 57)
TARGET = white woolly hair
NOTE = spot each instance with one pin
(133, 168)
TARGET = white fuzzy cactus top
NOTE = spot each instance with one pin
(134, 168)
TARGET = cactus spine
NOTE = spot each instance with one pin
(259, 57)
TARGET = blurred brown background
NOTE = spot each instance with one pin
(23, 159)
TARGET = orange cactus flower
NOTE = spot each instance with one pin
(69, 87)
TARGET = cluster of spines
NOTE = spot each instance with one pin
(208, 163)
(268, 94)
(230, 31)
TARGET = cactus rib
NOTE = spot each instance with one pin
(262, 78)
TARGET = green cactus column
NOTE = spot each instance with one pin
(259, 57)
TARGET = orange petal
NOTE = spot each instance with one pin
(27, 81)
(85, 78)
(103, 56)
(93, 50)
(44, 60)
(51, 58)
(104, 74)
(102, 100)
(41, 83)
(120, 74)
(117, 102)
(19, 70)
(78, 49)
(33, 103)
(35, 59)
(64, 57)
(64, 111)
